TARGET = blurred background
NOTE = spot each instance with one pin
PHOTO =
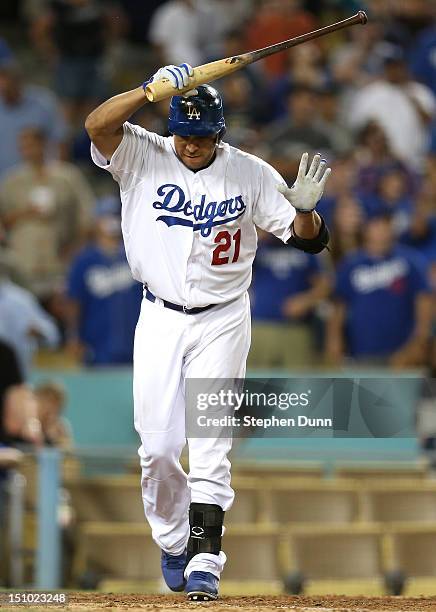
(336, 515)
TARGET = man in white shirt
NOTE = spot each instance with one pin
(190, 207)
(403, 108)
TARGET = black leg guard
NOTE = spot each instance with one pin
(206, 525)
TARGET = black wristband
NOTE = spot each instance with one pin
(311, 245)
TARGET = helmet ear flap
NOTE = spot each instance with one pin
(220, 135)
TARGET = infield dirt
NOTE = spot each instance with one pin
(167, 603)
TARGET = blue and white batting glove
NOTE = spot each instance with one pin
(178, 76)
(308, 188)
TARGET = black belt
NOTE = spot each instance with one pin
(152, 298)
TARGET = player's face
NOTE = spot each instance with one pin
(195, 151)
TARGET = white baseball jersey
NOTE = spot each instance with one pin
(191, 236)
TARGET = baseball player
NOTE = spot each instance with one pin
(190, 207)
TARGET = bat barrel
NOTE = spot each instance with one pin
(358, 18)
(162, 89)
(363, 17)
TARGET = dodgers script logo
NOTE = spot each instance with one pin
(202, 216)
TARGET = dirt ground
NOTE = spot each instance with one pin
(167, 603)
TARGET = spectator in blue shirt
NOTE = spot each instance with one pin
(104, 299)
(23, 106)
(392, 195)
(24, 325)
(383, 307)
(287, 287)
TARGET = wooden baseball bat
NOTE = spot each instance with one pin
(161, 89)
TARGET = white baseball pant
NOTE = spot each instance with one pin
(171, 347)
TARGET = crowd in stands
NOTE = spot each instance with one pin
(364, 97)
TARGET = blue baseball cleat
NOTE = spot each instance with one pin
(202, 586)
(173, 569)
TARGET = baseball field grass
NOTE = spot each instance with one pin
(167, 603)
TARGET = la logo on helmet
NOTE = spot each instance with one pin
(193, 113)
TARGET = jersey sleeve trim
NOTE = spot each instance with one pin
(101, 160)
(311, 245)
(128, 160)
(288, 233)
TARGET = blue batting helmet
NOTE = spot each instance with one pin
(198, 114)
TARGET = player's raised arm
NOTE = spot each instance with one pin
(105, 124)
(309, 232)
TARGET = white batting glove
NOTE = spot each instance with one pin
(178, 76)
(308, 188)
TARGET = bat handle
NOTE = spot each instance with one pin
(159, 90)
(162, 88)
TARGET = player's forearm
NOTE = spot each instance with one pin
(109, 117)
(307, 225)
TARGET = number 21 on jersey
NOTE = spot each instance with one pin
(228, 245)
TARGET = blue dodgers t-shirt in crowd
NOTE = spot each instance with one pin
(379, 294)
(279, 273)
(110, 301)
